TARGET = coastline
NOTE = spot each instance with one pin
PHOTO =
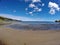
(28, 37)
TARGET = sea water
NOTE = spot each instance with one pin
(36, 25)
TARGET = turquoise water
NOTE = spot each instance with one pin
(36, 25)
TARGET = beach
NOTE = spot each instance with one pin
(10, 36)
(29, 22)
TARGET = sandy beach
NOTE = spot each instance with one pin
(29, 22)
(29, 37)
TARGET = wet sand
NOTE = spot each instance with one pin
(28, 37)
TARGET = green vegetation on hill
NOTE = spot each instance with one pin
(4, 20)
(7, 19)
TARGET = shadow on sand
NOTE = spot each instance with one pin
(2, 43)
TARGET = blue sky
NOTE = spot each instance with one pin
(31, 10)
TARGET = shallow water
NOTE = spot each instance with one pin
(36, 25)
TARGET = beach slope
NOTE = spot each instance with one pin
(18, 37)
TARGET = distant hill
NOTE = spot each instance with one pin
(8, 19)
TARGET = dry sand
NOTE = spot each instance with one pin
(18, 37)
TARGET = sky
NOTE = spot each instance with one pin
(31, 10)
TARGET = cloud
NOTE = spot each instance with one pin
(52, 11)
(36, 9)
(32, 5)
(33, 1)
(39, 10)
(30, 12)
(43, 4)
(53, 7)
(19, 17)
(36, 1)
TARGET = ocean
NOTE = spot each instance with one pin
(36, 25)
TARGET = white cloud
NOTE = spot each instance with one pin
(39, 10)
(43, 4)
(19, 17)
(33, 1)
(36, 1)
(52, 11)
(35, 7)
(30, 12)
(53, 7)
(31, 5)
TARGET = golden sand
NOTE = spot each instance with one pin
(18, 37)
